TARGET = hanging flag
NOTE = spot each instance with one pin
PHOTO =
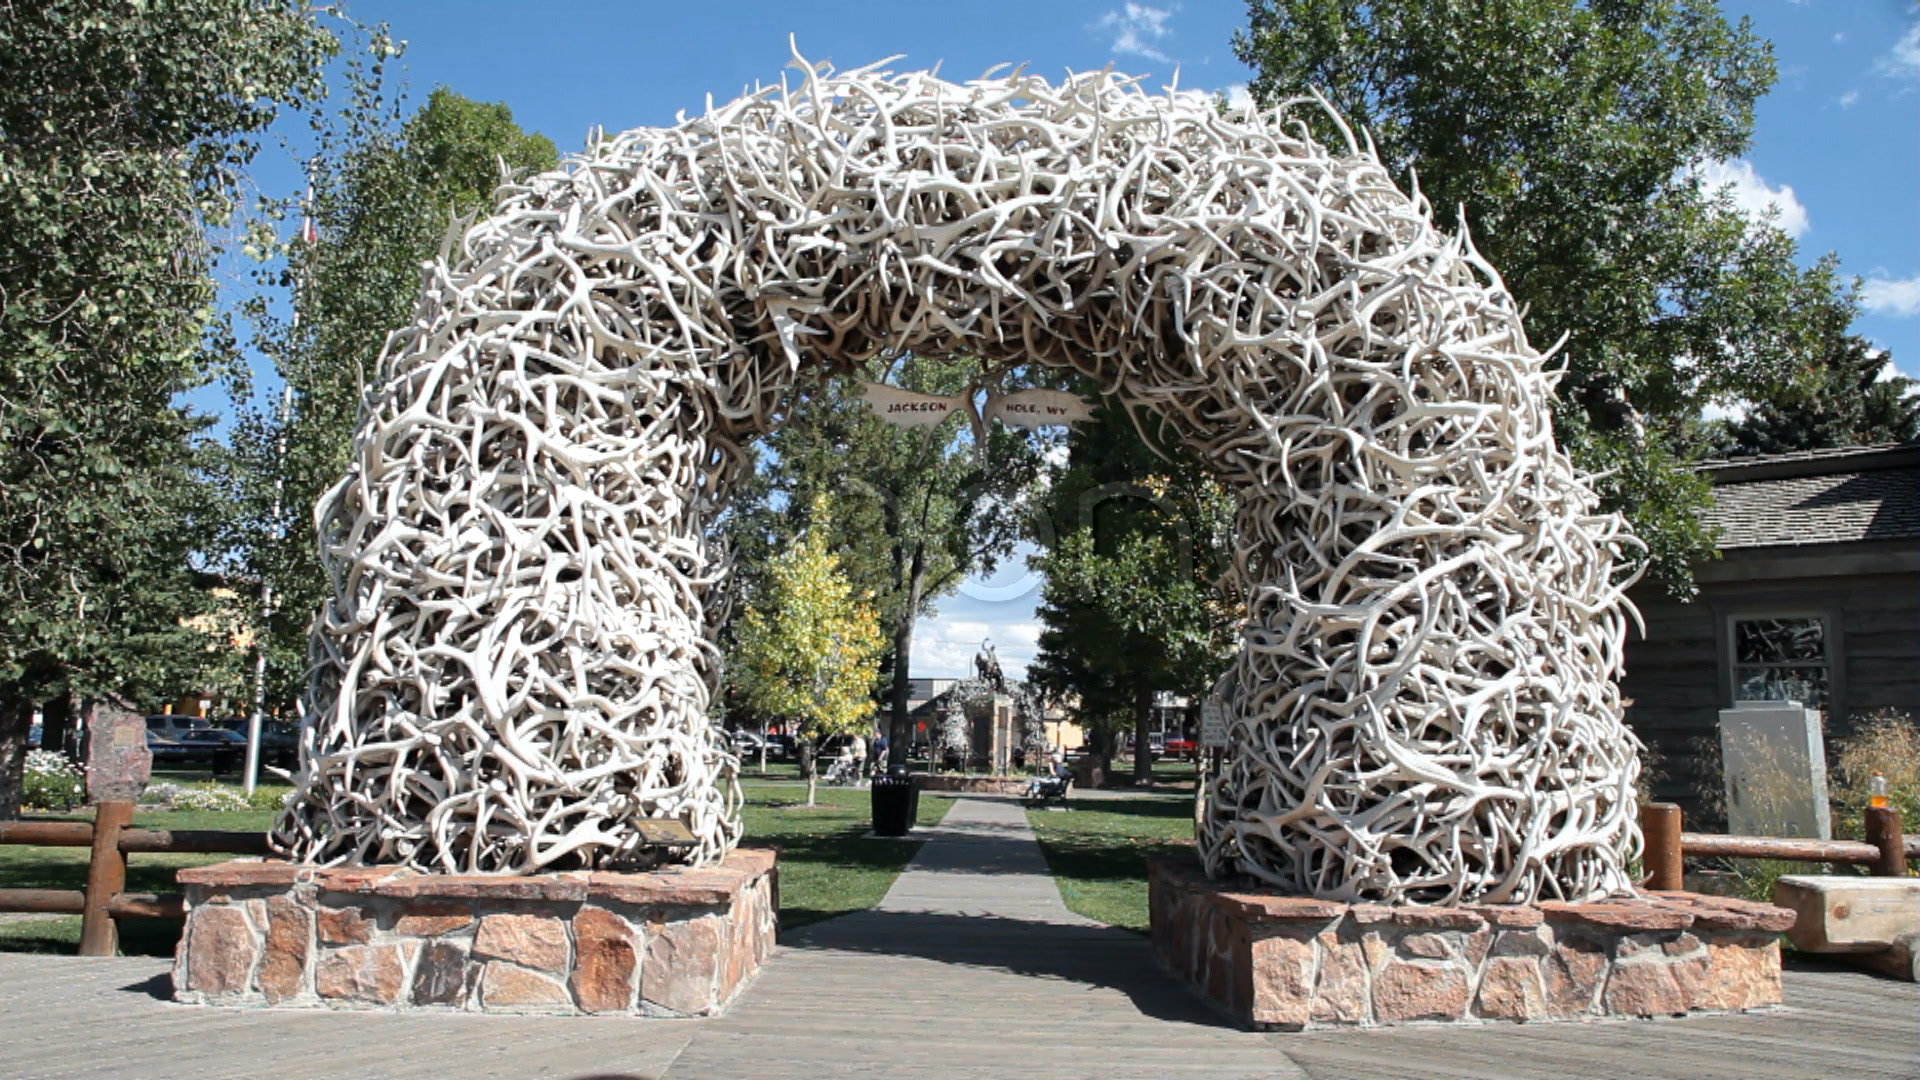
(904, 408)
(1037, 408)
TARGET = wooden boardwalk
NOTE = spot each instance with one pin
(971, 967)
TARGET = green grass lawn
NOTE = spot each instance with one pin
(1097, 851)
(826, 869)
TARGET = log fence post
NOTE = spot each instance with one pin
(106, 878)
(1660, 825)
(1883, 832)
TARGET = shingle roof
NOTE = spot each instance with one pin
(1818, 497)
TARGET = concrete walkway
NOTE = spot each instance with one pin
(970, 967)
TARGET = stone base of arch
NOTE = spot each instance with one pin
(671, 943)
(1283, 963)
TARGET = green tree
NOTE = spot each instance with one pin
(123, 127)
(384, 194)
(806, 646)
(1572, 134)
(915, 510)
(1133, 602)
(1856, 398)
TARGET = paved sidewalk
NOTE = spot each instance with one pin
(972, 967)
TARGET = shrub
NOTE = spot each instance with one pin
(51, 782)
(1885, 741)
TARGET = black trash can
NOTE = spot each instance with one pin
(894, 796)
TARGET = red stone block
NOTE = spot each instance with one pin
(344, 926)
(504, 987)
(534, 941)
(1266, 907)
(373, 974)
(1646, 988)
(1510, 989)
(1340, 993)
(239, 872)
(605, 959)
(1410, 990)
(1623, 915)
(1574, 972)
(427, 918)
(549, 887)
(222, 951)
(1509, 916)
(441, 975)
(682, 963)
(283, 970)
(1438, 918)
(1280, 980)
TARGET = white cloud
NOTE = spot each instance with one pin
(944, 648)
(1903, 62)
(1753, 196)
(1897, 297)
(1847, 99)
(1137, 29)
(1736, 411)
(1888, 372)
(1238, 97)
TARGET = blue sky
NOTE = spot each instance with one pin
(1836, 146)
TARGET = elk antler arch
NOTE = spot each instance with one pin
(517, 663)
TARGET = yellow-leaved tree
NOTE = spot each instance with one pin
(808, 648)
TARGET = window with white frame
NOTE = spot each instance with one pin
(1782, 658)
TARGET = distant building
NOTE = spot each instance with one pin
(1816, 598)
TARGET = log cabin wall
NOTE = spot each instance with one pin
(1818, 583)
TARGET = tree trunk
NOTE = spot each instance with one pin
(807, 762)
(56, 727)
(1142, 718)
(1099, 746)
(763, 748)
(15, 718)
(900, 726)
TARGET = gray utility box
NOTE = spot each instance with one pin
(1776, 770)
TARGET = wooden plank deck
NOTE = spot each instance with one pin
(971, 967)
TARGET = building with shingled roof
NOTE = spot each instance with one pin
(1816, 598)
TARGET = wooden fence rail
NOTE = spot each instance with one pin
(112, 838)
(1885, 852)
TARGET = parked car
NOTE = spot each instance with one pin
(279, 740)
(170, 725)
(175, 739)
(1183, 748)
(747, 744)
(222, 750)
(165, 750)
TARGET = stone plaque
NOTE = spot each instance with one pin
(118, 761)
(1213, 724)
(1776, 770)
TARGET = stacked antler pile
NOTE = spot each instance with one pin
(517, 664)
